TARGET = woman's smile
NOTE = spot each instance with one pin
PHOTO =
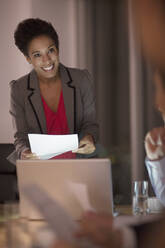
(48, 68)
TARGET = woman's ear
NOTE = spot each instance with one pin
(28, 59)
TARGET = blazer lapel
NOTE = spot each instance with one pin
(36, 102)
(69, 93)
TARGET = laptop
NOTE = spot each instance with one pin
(91, 178)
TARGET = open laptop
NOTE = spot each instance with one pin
(56, 176)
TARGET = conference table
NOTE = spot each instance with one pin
(16, 232)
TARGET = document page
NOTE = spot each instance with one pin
(47, 146)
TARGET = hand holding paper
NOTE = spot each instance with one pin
(86, 145)
(27, 154)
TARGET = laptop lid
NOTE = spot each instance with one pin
(56, 177)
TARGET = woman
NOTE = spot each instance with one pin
(51, 99)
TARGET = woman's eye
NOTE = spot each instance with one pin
(37, 55)
(51, 50)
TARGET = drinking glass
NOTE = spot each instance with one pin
(140, 198)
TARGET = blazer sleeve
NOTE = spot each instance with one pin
(18, 117)
(89, 123)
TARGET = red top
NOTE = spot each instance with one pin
(56, 123)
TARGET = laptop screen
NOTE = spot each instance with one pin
(77, 184)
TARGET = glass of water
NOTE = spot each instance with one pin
(140, 198)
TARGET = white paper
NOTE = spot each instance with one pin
(47, 146)
(81, 193)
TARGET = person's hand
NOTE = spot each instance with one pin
(86, 145)
(27, 154)
(155, 143)
(98, 228)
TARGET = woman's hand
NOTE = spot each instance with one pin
(27, 154)
(86, 145)
(155, 143)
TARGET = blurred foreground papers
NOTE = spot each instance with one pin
(47, 146)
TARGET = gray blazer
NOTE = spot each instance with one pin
(28, 114)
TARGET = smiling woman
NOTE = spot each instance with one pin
(52, 98)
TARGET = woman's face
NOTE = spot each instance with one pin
(44, 56)
(159, 94)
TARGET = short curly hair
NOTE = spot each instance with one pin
(31, 28)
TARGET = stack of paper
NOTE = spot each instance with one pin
(48, 146)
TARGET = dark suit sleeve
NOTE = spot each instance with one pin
(89, 123)
(18, 118)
